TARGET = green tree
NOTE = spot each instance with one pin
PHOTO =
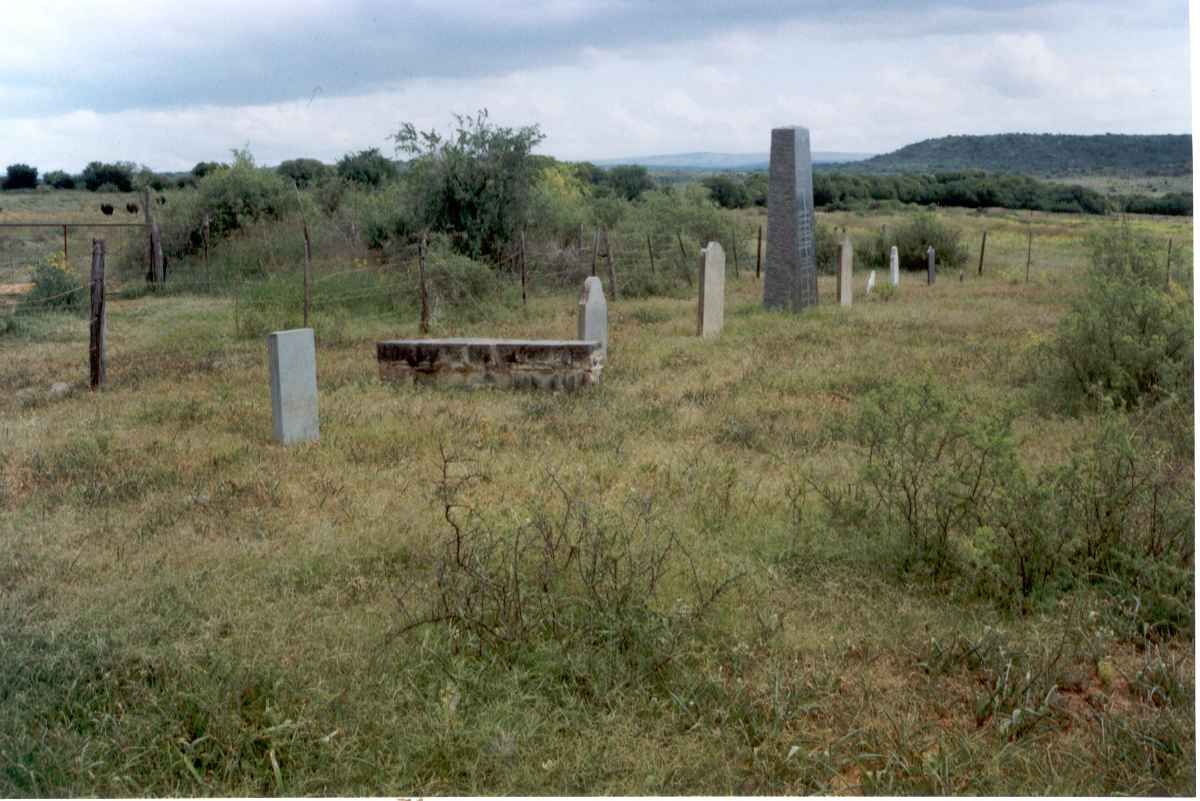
(119, 174)
(59, 179)
(21, 176)
(303, 172)
(367, 167)
(203, 168)
(629, 180)
(476, 183)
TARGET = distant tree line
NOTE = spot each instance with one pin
(975, 189)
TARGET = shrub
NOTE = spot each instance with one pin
(20, 176)
(912, 238)
(384, 216)
(477, 182)
(728, 192)
(96, 175)
(59, 179)
(367, 167)
(204, 168)
(629, 181)
(55, 288)
(303, 172)
(1126, 338)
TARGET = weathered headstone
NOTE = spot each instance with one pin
(593, 315)
(894, 264)
(931, 256)
(870, 282)
(845, 285)
(292, 356)
(791, 263)
(711, 316)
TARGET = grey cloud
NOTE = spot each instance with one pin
(356, 47)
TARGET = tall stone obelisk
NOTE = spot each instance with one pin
(791, 279)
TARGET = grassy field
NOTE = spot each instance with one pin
(188, 609)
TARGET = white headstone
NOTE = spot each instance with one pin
(870, 282)
(845, 285)
(711, 314)
(593, 315)
(292, 357)
(895, 266)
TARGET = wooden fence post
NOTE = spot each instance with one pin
(307, 270)
(1029, 255)
(424, 293)
(205, 232)
(758, 263)
(650, 250)
(736, 272)
(687, 271)
(523, 298)
(97, 358)
(149, 234)
(160, 273)
(1168, 262)
(67, 258)
(595, 249)
(982, 248)
(612, 271)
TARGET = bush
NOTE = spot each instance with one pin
(728, 192)
(59, 179)
(476, 183)
(20, 176)
(204, 168)
(55, 288)
(1126, 338)
(96, 175)
(912, 239)
(303, 172)
(628, 181)
(367, 167)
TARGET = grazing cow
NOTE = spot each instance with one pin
(162, 201)
(107, 209)
(132, 208)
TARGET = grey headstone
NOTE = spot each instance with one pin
(711, 317)
(292, 356)
(593, 315)
(791, 281)
(870, 282)
(845, 285)
(894, 264)
(931, 256)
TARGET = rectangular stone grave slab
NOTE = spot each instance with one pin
(710, 318)
(480, 362)
(292, 360)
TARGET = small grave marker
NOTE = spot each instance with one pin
(593, 315)
(845, 286)
(870, 282)
(931, 257)
(292, 357)
(894, 266)
(711, 313)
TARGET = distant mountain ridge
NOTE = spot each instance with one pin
(1038, 155)
(722, 161)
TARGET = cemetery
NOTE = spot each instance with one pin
(750, 535)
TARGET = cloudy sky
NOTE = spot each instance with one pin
(169, 83)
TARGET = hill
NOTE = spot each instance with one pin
(722, 161)
(1039, 154)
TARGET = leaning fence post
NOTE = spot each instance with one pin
(99, 319)
(595, 249)
(424, 294)
(307, 270)
(687, 272)
(982, 248)
(612, 271)
(523, 298)
(758, 263)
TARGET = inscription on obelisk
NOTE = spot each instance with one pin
(791, 272)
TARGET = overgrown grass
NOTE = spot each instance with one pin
(187, 608)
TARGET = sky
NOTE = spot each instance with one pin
(168, 84)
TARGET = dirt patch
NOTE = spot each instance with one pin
(15, 289)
